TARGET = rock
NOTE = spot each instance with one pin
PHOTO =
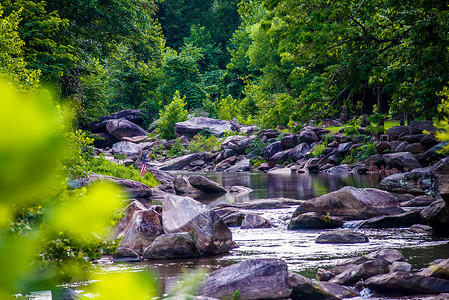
(241, 166)
(255, 221)
(272, 149)
(299, 151)
(269, 203)
(179, 163)
(289, 141)
(429, 140)
(249, 129)
(312, 165)
(403, 161)
(420, 228)
(411, 138)
(105, 140)
(401, 147)
(440, 270)
(143, 228)
(396, 131)
(433, 154)
(269, 134)
(193, 126)
(389, 255)
(134, 188)
(400, 266)
(232, 216)
(120, 128)
(363, 271)
(404, 283)
(254, 279)
(418, 181)
(134, 139)
(393, 221)
(126, 148)
(124, 254)
(304, 288)
(353, 203)
(423, 200)
(278, 158)
(183, 214)
(204, 184)
(417, 127)
(441, 173)
(308, 136)
(415, 148)
(437, 215)
(134, 116)
(128, 213)
(168, 246)
(383, 147)
(238, 143)
(313, 220)
(376, 160)
(342, 169)
(341, 236)
(183, 186)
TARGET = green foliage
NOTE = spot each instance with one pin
(173, 113)
(257, 162)
(256, 146)
(202, 143)
(361, 153)
(318, 149)
(177, 148)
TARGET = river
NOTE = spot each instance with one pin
(297, 248)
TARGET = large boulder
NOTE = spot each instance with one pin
(205, 184)
(181, 162)
(176, 245)
(341, 236)
(351, 202)
(184, 214)
(362, 271)
(418, 201)
(314, 220)
(232, 216)
(278, 158)
(254, 221)
(241, 166)
(269, 203)
(418, 181)
(126, 148)
(394, 221)
(120, 128)
(134, 188)
(440, 270)
(437, 214)
(433, 154)
(193, 126)
(308, 136)
(272, 149)
(299, 151)
(441, 173)
(99, 125)
(403, 161)
(254, 279)
(142, 230)
(404, 283)
(396, 131)
(417, 127)
(289, 141)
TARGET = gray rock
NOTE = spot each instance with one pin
(353, 203)
(299, 151)
(254, 221)
(126, 148)
(272, 149)
(389, 255)
(183, 186)
(125, 255)
(183, 214)
(269, 203)
(242, 166)
(134, 188)
(120, 128)
(440, 270)
(401, 147)
(404, 283)
(396, 131)
(403, 161)
(232, 216)
(415, 148)
(411, 138)
(437, 215)
(134, 116)
(417, 127)
(423, 200)
(193, 126)
(342, 236)
(204, 184)
(176, 245)
(383, 147)
(278, 158)
(418, 181)
(433, 154)
(179, 163)
(441, 173)
(313, 220)
(393, 221)
(420, 228)
(254, 279)
(308, 136)
(289, 141)
(400, 266)
(361, 272)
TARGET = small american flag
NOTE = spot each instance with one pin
(143, 167)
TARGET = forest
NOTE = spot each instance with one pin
(279, 64)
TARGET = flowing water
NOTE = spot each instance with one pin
(297, 248)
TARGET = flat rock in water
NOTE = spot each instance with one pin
(241, 166)
(362, 271)
(402, 220)
(423, 200)
(125, 255)
(269, 203)
(353, 203)
(255, 221)
(176, 245)
(254, 279)
(313, 220)
(405, 283)
(418, 181)
(440, 270)
(205, 184)
(184, 214)
(232, 216)
(342, 236)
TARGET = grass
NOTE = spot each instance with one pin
(388, 124)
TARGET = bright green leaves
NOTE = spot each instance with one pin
(173, 113)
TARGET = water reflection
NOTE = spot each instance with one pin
(296, 186)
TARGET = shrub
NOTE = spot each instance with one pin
(176, 149)
(257, 145)
(318, 149)
(202, 143)
(173, 113)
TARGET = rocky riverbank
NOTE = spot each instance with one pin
(415, 197)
